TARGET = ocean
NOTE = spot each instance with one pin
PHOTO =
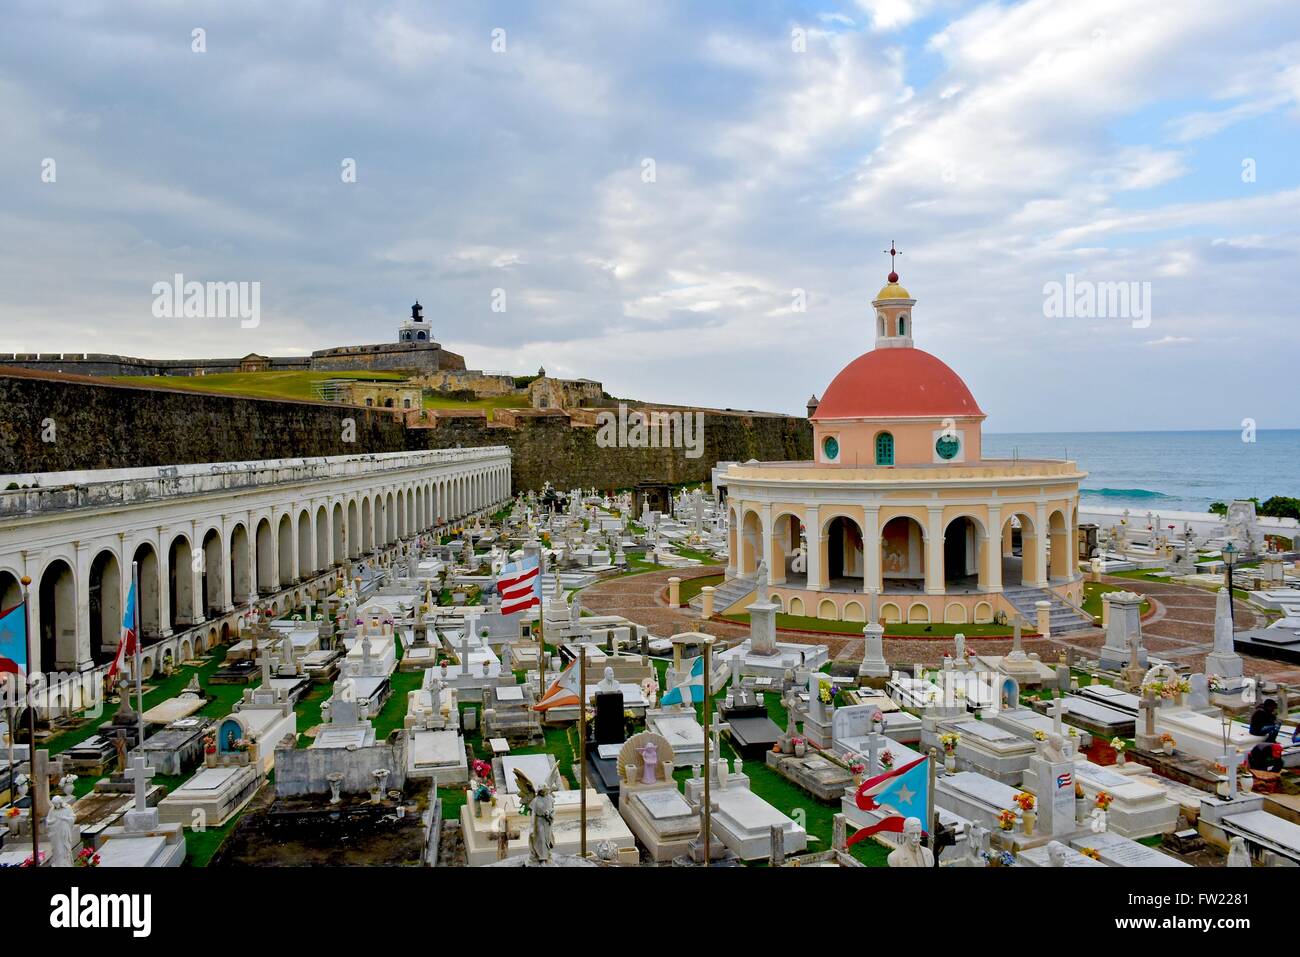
(1172, 470)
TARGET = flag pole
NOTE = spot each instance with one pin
(139, 640)
(930, 813)
(708, 768)
(31, 720)
(582, 748)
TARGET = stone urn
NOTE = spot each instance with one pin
(1027, 819)
(950, 762)
(800, 749)
(1120, 758)
(1168, 748)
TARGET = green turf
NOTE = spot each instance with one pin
(692, 586)
(1092, 592)
(806, 623)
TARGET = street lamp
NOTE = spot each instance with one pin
(1229, 552)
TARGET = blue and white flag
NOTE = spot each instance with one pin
(691, 689)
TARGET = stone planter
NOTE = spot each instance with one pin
(1028, 819)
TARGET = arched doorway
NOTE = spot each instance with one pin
(962, 569)
(214, 572)
(1019, 548)
(241, 575)
(322, 540)
(354, 537)
(751, 543)
(58, 612)
(149, 600)
(786, 541)
(105, 596)
(265, 558)
(284, 543)
(180, 583)
(1058, 546)
(367, 526)
(845, 567)
(902, 555)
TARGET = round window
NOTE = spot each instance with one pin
(948, 446)
(831, 447)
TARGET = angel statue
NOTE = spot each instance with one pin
(541, 808)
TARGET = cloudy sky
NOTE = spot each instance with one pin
(651, 183)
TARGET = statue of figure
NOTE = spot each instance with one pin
(910, 853)
(650, 757)
(61, 826)
(1055, 854)
(1098, 821)
(1238, 855)
(608, 684)
(1054, 749)
(541, 808)
(960, 641)
(345, 689)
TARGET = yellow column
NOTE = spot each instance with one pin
(934, 552)
(871, 549)
(675, 591)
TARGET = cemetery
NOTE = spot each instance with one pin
(469, 696)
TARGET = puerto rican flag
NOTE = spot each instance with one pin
(127, 645)
(564, 690)
(905, 791)
(1064, 780)
(520, 586)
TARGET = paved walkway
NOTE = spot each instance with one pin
(1180, 627)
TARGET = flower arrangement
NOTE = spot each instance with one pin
(1090, 852)
(796, 741)
(1215, 684)
(1040, 735)
(1103, 799)
(1006, 819)
(950, 741)
(857, 765)
(1183, 686)
(241, 744)
(1168, 739)
(1119, 744)
(12, 812)
(1025, 801)
(87, 857)
(887, 759)
(481, 769)
(825, 693)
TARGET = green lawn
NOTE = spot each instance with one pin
(936, 630)
(1092, 592)
(692, 586)
(266, 385)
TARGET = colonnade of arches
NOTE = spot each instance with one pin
(192, 574)
(900, 550)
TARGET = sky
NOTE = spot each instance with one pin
(688, 202)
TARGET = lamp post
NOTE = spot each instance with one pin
(1229, 552)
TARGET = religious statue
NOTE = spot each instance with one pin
(1097, 823)
(541, 808)
(1056, 854)
(910, 853)
(61, 826)
(650, 761)
(119, 745)
(1054, 750)
(1238, 854)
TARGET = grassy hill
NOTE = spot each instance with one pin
(301, 385)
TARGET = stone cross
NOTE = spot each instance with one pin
(1057, 708)
(264, 659)
(140, 774)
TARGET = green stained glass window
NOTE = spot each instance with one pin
(831, 448)
(948, 446)
(884, 449)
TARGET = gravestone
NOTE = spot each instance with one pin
(1123, 627)
(1055, 796)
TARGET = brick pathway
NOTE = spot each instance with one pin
(1180, 627)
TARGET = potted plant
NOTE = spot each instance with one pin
(949, 741)
(858, 768)
(887, 759)
(1119, 744)
(1168, 743)
(1026, 802)
(1006, 819)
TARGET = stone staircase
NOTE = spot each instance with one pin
(1064, 617)
(728, 593)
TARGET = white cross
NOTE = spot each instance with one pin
(140, 773)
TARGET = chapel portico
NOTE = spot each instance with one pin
(899, 506)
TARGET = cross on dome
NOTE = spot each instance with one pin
(893, 275)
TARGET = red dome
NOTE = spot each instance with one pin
(896, 383)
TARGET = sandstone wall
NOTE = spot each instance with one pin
(98, 426)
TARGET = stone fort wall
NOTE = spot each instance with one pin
(64, 423)
(417, 357)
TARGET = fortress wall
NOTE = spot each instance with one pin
(63, 424)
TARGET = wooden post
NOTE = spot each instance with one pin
(708, 811)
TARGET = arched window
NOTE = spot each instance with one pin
(884, 449)
(902, 325)
(880, 321)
